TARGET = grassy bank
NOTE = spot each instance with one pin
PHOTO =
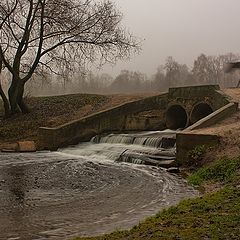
(223, 171)
(55, 110)
(46, 111)
(215, 215)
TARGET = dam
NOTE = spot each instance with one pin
(185, 108)
(179, 108)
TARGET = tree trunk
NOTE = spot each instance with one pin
(20, 100)
(16, 100)
(12, 96)
(3, 95)
(5, 102)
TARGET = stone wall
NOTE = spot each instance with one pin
(132, 116)
(215, 117)
(190, 96)
(187, 141)
(117, 119)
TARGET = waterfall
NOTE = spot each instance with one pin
(157, 140)
(151, 148)
(112, 138)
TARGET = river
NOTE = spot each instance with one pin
(88, 189)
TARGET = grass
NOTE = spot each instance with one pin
(53, 111)
(212, 216)
(224, 170)
(48, 111)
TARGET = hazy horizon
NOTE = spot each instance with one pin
(182, 29)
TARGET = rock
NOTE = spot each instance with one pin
(173, 170)
(26, 146)
(9, 147)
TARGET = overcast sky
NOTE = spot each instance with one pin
(179, 28)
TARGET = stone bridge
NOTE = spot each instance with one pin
(179, 108)
(187, 105)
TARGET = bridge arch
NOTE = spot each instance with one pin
(199, 111)
(176, 117)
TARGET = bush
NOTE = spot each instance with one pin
(196, 155)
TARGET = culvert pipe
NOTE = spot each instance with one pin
(200, 111)
(176, 117)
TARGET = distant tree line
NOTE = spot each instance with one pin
(205, 70)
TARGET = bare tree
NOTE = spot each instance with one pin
(56, 35)
(210, 70)
(201, 70)
(2, 93)
(176, 74)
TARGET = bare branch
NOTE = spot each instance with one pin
(65, 33)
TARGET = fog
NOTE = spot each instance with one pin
(183, 42)
(183, 29)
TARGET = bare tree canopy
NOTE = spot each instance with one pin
(57, 36)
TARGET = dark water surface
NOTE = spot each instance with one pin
(60, 195)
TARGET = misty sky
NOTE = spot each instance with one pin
(179, 28)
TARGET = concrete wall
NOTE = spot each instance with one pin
(120, 118)
(130, 117)
(187, 141)
(190, 96)
(147, 120)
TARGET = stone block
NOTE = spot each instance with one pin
(26, 146)
(9, 147)
(186, 142)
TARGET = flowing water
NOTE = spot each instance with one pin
(88, 189)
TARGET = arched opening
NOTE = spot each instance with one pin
(200, 111)
(176, 117)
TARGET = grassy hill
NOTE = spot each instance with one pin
(55, 110)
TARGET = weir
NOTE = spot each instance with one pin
(179, 108)
(151, 148)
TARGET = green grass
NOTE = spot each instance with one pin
(223, 171)
(213, 216)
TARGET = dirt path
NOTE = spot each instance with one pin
(234, 93)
